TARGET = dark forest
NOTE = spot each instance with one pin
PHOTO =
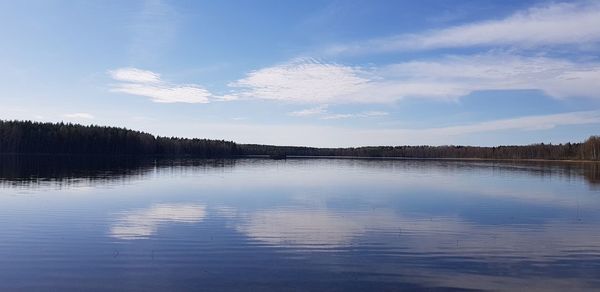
(26, 137)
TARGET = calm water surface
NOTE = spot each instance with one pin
(297, 225)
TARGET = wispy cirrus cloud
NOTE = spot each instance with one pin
(135, 75)
(303, 80)
(455, 76)
(165, 93)
(323, 113)
(573, 23)
(149, 84)
(528, 123)
(337, 116)
(319, 110)
(364, 114)
(443, 78)
(306, 80)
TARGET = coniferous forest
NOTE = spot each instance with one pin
(26, 137)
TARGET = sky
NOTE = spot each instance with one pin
(312, 73)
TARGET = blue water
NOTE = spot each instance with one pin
(297, 225)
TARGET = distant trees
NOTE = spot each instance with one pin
(589, 150)
(26, 137)
(48, 138)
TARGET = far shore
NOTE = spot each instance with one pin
(417, 158)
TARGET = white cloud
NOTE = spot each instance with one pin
(373, 114)
(319, 110)
(523, 123)
(134, 75)
(149, 84)
(306, 80)
(166, 93)
(226, 97)
(337, 116)
(85, 116)
(456, 76)
(323, 113)
(365, 114)
(446, 78)
(550, 24)
(139, 224)
(303, 80)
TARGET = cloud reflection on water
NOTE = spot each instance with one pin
(421, 234)
(329, 229)
(143, 223)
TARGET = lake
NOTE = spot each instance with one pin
(297, 225)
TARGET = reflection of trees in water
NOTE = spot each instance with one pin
(27, 170)
(591, 172)
(588, 170)
(66, 170)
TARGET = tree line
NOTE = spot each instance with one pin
(27, 137)
(588, 150)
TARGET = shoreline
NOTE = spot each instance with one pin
(474, 159)
(418, 158)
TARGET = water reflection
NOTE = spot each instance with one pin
(436, 251)
(143, 223)
(64, 171)
(302, 224)
(291, 228)
(324, 229)
(31, 170)
(591, 172)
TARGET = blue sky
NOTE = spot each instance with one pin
(316, 73)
